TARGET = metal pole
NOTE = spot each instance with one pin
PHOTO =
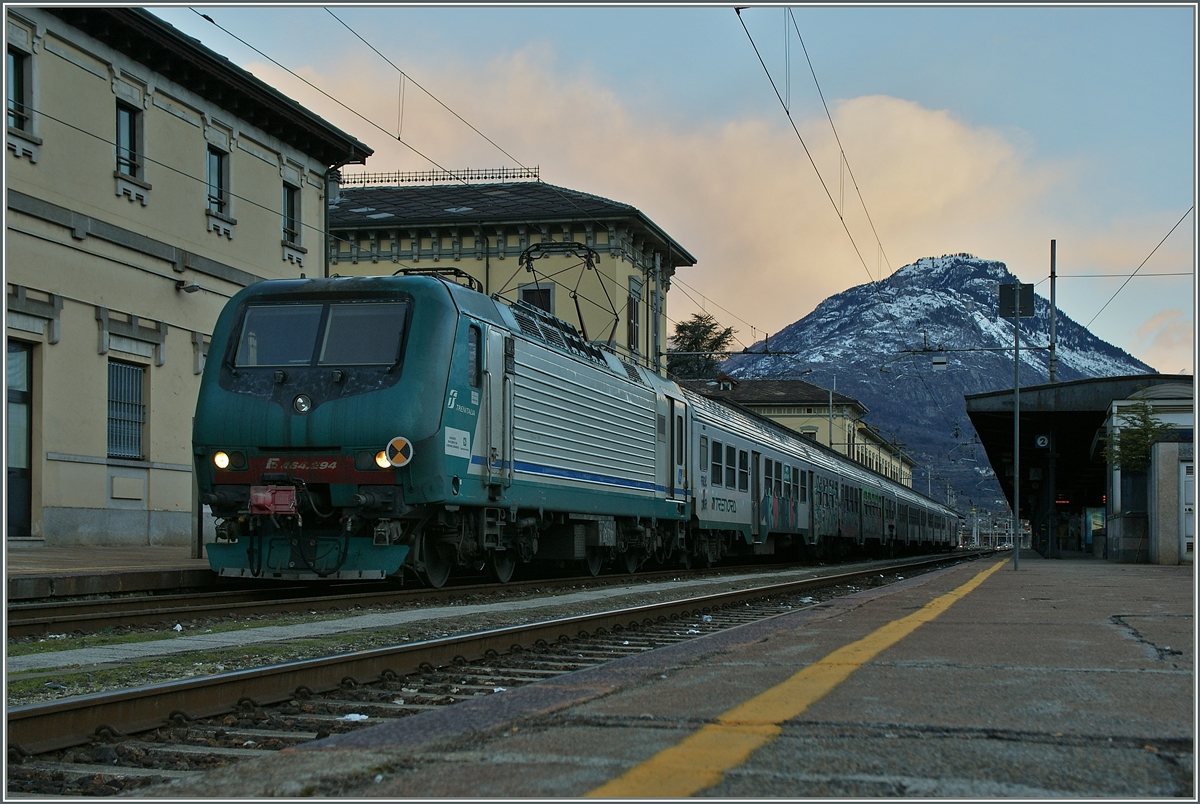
(1053, 314)
(1017, 428)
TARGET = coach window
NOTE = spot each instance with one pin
(803, 486)
(703, 452)
(787, 482)
(743, 470)
(473, 336)
(778, 479)
(717, 475)
(731, 462)
(768, 465)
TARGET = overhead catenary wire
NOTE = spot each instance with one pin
(876, 284)
(1148, 256)
(845, 159)
(804, 145)
(497, 146)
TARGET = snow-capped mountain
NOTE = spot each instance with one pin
(856, 342)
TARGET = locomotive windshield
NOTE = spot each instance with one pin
(336, 333)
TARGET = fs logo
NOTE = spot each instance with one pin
(453, 400)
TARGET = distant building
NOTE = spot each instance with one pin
(479, 223)
(148, 180)
(825, 416)
(1075, 501)
(1151, 513)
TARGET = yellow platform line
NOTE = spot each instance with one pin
(700, 761)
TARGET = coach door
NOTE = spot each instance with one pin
(676, 480)
(755, 494)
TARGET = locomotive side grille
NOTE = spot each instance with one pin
(527, 325)
(632, 373)
(553, 337)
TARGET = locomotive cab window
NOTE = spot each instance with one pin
(341, 334)
(363, 334)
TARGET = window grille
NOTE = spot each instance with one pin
(126, 410)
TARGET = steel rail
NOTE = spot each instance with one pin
(41, 727)
(89, 616)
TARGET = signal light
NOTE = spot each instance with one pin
(381, 460)
(221, 460)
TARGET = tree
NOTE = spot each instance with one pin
(700, 333)
(1129, 448)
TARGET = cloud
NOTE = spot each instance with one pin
(1167, 341)
(742, 195)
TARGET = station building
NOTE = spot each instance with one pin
(823, 415)
(148, 179)
(1075, 501)
(601, 265)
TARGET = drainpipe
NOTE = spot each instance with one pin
(333, 184)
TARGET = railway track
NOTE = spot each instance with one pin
(103, 743)
(90, 616)
(93, 615)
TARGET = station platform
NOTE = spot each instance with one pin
(1061, 679)
(45, 572)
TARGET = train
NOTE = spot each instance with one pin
(356, 428)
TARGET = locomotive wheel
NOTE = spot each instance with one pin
(503, 564)
(685, 558)
(438, 560)
(631, 561)
(594, 561)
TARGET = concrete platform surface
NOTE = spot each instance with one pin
(43, 572)
(1063, 679)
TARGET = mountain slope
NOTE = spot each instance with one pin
(855, 341)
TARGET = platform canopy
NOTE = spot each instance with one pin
(1062, 455)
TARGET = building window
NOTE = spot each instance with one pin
(291, 215)
(633, 333)
(539, 296)
(126, 410)
(218, 181)
(128, 156)
(18, 90)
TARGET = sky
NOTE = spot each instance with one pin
(986, 130)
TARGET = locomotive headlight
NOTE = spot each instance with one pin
(221, 460)
(381, 460)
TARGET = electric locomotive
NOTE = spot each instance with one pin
(355, 427)
(348, 427)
